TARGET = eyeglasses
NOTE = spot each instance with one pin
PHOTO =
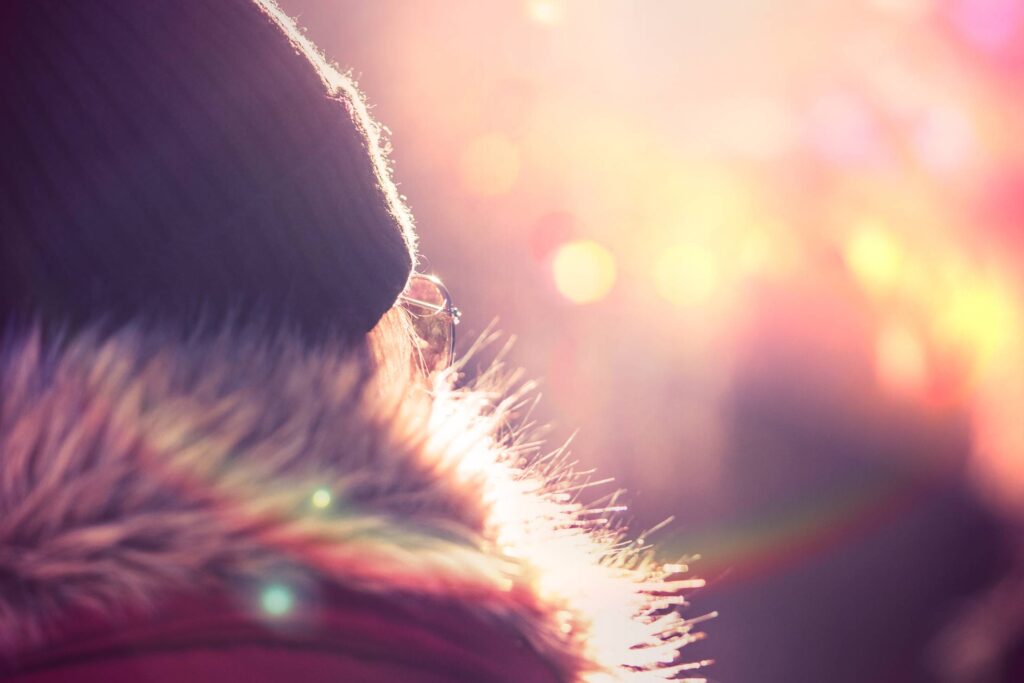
(434, 319)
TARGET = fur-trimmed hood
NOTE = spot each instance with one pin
(134, 467)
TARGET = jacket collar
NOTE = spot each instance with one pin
(137, 467)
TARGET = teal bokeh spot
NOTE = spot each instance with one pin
(277, 600)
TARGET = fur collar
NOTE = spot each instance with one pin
(132, 467)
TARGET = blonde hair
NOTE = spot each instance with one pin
(392, 350)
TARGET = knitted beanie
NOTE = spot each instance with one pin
(188, 163)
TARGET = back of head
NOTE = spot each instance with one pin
(187, 163)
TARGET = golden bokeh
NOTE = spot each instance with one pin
(584, 271)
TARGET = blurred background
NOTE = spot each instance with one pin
(766, 256)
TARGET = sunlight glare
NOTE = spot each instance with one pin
(686, 275)
(490, 165)
(545, 12)
(900, 362)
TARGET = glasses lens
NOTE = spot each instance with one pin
(430, 311)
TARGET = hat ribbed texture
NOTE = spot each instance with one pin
(178, 161)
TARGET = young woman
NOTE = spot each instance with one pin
(230, 448)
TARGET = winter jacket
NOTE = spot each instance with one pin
(247, 508)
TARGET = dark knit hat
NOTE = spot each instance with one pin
(186, 162)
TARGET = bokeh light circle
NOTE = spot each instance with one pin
(873, 257)
(321, 498)
(277, 600)
(584, 271)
